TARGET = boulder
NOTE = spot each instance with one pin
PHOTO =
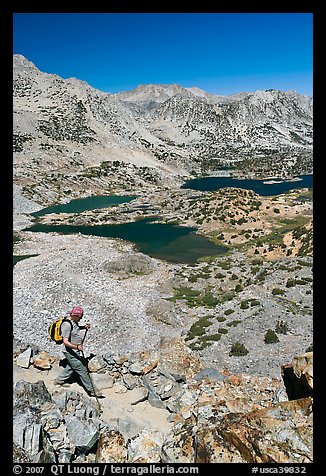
(178, 446)
(23, 359)
(82, 433)
(210, 447)
(111, 447)
(96, 363)
(131, 263)
(59, 439)
(31, 395)
(145, 447)
(27, 433)
(177, 359)
(279, 434)
(160, 385)
(43, 361)
(210, 374)
(102, 381)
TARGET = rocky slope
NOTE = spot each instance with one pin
(161, 406)
(125, 293)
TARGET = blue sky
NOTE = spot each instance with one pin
(222, 53)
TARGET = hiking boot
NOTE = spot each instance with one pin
(96, 395)
(58, 383)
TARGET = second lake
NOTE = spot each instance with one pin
(168, 242)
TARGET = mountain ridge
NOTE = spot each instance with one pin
(21, 60)
(67, 127)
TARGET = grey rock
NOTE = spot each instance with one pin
(108, 357)
(155, 400)
(131, 381)
(96, 363)
(52, 419)
(138, 394)
(102, 381)
(23, 360)
(31, 395)
(83, 434)
(184, 399)
(65, 456)
(210, 374)
(44, 456)
(136, 368)
(20, 422)
(32, 438)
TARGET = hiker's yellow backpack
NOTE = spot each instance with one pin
(55, 330)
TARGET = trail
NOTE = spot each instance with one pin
(116, 407)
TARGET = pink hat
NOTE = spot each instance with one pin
(77, 311)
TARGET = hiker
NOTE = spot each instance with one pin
(73, 336)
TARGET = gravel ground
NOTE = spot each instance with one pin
(76, 269)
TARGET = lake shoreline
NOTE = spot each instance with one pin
(276, 185)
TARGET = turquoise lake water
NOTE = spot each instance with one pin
(85, 204)
(164, 241)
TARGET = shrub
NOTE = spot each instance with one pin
(233, 323)
(229, 311)
(238, 350)
(198, 328)
(221, 318)
(277, 291)
(270, 337)
(209, 300)
(290, 283)
(183, 292)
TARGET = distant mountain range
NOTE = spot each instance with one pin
(64, 126)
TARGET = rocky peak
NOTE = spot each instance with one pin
(20, 62)
(153, 92)
(211, 98)
(281, 99)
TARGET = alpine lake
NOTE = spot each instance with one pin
(265, 188)
(165, 241)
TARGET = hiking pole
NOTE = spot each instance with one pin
(89, 375)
